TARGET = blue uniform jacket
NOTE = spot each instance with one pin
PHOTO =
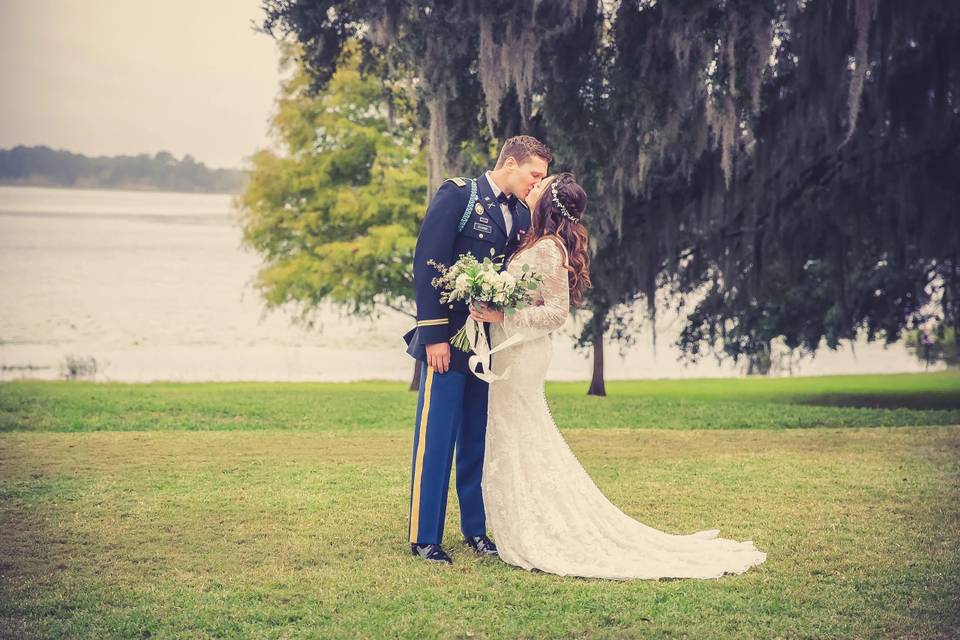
(484, 235)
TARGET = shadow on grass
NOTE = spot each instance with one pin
(923, 401)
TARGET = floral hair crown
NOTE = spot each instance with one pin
(556, 200)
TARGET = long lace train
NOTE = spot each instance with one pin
(544, 510)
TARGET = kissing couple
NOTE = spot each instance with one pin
(514, 471)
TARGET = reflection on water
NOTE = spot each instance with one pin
(155, 286)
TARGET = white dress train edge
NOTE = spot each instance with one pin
(543, 509)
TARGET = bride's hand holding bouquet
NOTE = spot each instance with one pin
(487, 288)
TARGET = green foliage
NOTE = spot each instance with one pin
(73, 367)
(792, 165)
(336, 216)
(934, 345)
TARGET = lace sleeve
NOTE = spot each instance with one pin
(554, 291)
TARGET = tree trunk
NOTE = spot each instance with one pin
(951, 291)
(415, 383)
(597, 386)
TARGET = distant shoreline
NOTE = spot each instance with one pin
(42, 166)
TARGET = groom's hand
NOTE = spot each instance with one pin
(438, 356)
(486, 313)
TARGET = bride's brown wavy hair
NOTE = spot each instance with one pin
(548, 220)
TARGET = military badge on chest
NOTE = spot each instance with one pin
(481, 222)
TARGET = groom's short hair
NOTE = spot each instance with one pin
(521, 148)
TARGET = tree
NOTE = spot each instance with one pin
(795, 162)
(475, 69)
(792, 163)
(336, 217)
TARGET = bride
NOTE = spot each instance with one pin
(544, 510)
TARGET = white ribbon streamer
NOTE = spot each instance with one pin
(483, 351)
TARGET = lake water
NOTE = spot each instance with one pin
(155, 286)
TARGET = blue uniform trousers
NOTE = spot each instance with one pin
(451, 411)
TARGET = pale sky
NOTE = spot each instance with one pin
(110, 77)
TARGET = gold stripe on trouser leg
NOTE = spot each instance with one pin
(418, 467)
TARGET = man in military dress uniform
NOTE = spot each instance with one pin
(486, 217)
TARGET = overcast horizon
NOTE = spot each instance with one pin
(120, 78)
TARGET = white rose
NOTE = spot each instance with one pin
(462, 283)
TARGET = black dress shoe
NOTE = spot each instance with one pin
(430, 553)
(481, 545)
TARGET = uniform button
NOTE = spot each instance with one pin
(451, 306)
(492, 251)
(481, 236)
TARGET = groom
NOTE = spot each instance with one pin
(486, 217)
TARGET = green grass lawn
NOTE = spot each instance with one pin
(280, 511)
(828, 401)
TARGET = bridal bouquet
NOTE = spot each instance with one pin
(472, 281)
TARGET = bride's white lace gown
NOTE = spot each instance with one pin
(544, 510)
